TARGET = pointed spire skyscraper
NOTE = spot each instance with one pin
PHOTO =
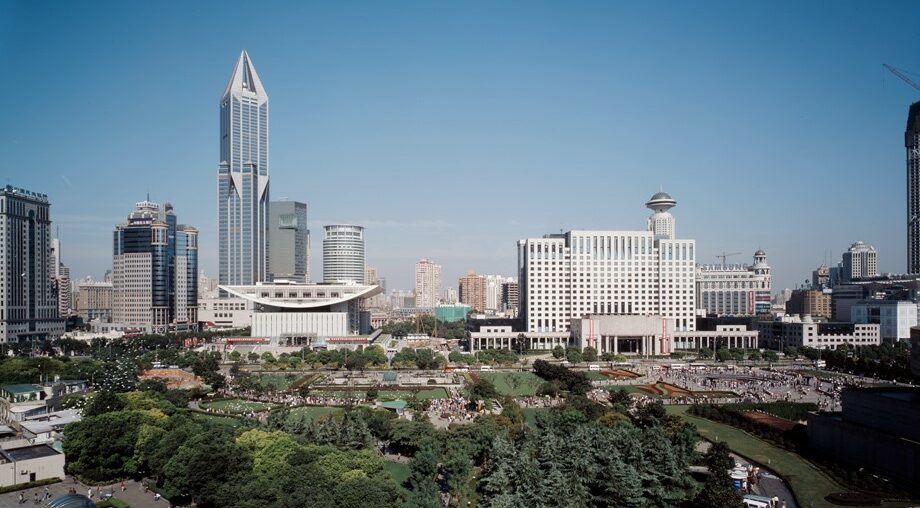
(242, 177)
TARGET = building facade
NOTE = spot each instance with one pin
(566, 276)
(791, 331)
(860, 261)
(95, 301)
(811, 302)
(912, 149)
(229, 312)
(894, 317)
(427, 283)
(155, 270)
(287, 238)
(343, 254)
(735, 289)
(472, 289)
(62, 285)
(510, 297)
(28, 302)
(242, 178)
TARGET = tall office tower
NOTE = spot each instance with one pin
(343, 253)
(287, 236)
(734, 289)
(62, 287)
(493, 292)
(569, 275)
(473, 291)
(242, 178)
(28, 304)
(859, 262)
(912, 146)
(661, 223)
(427, 283)
(155, 270)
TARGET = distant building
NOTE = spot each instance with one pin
(912, 148)
(564, 277)
(427, 283)
(451, 313)
(230, 312)
(472, 290)
(28, 303)
(242, 178)
(811, 302)
(510, 297)
(155, 264)
(895, 318)
(860, 261)
(62, 284)
(372, 278)
(734, 289)
(95, 300)
(287, 240)
(343, 254)
(820, 277)
(790, 331)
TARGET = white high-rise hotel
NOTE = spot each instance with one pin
(242, 178)
(564, 277)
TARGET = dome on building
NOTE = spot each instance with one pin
(72, 501)
(660, 202)
(760, 252)
(661, 195)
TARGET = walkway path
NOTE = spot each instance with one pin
(134, 494)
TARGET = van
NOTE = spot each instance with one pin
(594, 367)
(486, 368)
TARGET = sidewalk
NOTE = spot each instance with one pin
(133, 495)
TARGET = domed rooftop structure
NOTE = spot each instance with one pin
(760, 252)
(661, 202)
(72, 501)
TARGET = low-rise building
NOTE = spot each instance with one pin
(798, 332)
(894, 317)
(225, 312)
(29, 464)
(20, 402)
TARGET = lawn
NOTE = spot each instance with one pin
(276, 382)
(515, 384)
(398, 471)
(808, 483)
(316, 412)
(596, 376)
(236, 405)
(429, 393)
(530, 415)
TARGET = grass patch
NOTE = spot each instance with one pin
(514, 384)
(594, 375)
(276, 382)
(236, 405)
(807, 482)
(530, 415)
(316, 412)
(398, 471)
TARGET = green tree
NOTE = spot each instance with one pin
(103, 401)
(770, 356)
(573, 354)
(423, 467)
(791, 351)
(755, 356)
(705, 353)
(558, 352)
(589, 354)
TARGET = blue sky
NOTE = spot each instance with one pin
(451, 130)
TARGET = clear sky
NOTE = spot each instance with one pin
(453, 129)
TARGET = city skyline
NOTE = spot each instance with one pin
(758, 128)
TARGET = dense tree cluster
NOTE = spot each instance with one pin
(424, 358)
(429, 325)
(562, 377)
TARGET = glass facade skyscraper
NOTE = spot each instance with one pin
(242, 178)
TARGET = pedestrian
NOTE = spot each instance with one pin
(47, 493)
(123, 486)
(37, 500)
(89, 493)
(156, 497)
(22, 498)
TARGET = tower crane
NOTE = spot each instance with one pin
(726, 255)
(899, 73)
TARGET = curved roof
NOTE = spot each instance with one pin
(302, 296)
(661, 195)
(760, 252)
(72, 501)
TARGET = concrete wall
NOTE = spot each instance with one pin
(320, 324)
(11, 473)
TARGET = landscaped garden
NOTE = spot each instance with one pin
(515, 384)
(316, 412)
(236, 406)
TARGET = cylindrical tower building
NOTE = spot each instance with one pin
(343, 253)
(661, 223)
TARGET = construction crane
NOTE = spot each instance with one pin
(899, 73)
(725, 256)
